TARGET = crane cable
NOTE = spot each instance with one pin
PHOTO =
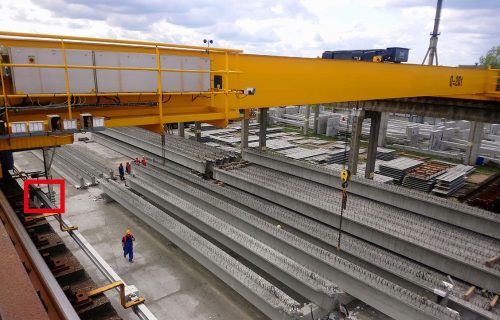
(345, 175)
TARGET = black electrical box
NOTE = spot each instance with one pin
(217, 81)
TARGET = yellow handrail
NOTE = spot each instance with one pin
(40, 65)
(115, 41)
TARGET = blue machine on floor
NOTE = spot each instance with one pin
(393, 54)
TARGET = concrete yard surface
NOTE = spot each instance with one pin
(174, 285)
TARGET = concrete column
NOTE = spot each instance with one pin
(263, 129)
(372, 143)
(382, 136)
(306, 119)
(316, 119)
(474, 142)
(180, 129)
(197, 131)
(357, 126)
(245, 121)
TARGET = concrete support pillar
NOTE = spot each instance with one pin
(197, 131)
(316, 119)
(372, 142)
(357, 126)
(474, 142)
(180, 129)
(263, 129)
(382, 136)
(245, 121)
(306, 119)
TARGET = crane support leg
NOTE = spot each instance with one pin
(316, 119)
(245, 121)
(306, 119)
(382, 136)
(357, 126)
(197, 131)
(180, 129)
(262, 129)
(474, 142)
(372, 142)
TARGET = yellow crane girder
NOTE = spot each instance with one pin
(278, 81)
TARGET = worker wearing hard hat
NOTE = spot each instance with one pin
(128, 245)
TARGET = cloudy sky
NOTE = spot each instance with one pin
(289, 27)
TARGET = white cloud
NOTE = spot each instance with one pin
(286, 27)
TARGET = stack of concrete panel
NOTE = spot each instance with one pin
(274, 144)
(385, 154)
(398, 168)
(452, 180)
(335, 156)
(307, 153)
(423, 177)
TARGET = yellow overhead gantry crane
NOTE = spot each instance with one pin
(93, 78)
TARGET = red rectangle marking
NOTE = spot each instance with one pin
(28, 210)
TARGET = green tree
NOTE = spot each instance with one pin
(492, 57)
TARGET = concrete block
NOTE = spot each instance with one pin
(292, 110)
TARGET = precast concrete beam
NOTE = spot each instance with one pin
(393, 267)
(357, 127)
(372, 143)
(124, 148)
(262, 294)
(458, 214)
(302, 251)
(478, 275)
(452, 109)
(182, 159)
(271, 261)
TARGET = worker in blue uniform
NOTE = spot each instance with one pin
(128, 245)
(121, 171)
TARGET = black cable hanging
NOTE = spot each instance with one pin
(345, 175)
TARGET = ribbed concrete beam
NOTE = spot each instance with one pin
(240, 207)
(309, 284)
(180, 158)
(390, 298)
(461, 215)
(265, 296)
(367, 227)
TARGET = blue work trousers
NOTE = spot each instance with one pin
(130, 251)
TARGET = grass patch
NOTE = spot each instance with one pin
(489, 169)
